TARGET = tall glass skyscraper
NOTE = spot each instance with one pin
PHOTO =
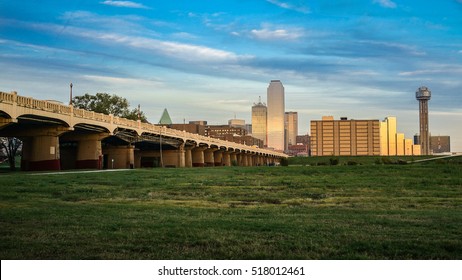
(259, 115)
(291, 128)
(275, 115)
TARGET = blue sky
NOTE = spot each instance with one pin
(211, 59)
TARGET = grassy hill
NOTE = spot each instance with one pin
(363, 211)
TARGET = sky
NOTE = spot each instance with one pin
(212, 59)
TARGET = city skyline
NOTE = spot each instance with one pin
(211, 59)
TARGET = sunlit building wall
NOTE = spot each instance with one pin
(259, 115)
(391, 134)
(400, 144)
(291, 120)
(384, 138)
(416, 150)
(408, 147)
(393, 143)
(275, 115)
(345, 137)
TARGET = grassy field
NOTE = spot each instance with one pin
(298, 212)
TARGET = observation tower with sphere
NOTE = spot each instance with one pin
(423, 95)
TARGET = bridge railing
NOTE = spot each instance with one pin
(7, 97)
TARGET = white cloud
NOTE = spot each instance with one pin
(277, 34)
(289, 6)
(176, 50)
(386, 3)
(125, 4)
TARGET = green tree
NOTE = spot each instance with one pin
(10, 146)
(108, 104)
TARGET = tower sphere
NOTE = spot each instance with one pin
(423, 93)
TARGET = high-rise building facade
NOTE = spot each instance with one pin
(275, 116)
(345, 137)
(259, 114)
(291, 122)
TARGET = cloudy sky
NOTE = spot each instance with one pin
(212, 59)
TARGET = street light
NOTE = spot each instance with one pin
(70, 96)
(160, 142)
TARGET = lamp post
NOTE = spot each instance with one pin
(70, 96)
(160, 148)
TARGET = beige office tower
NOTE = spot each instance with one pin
(275, 116)
(400, 144)
(408, 147)
(291, 119)
(345, 137)
(259, 111)
(388, 137)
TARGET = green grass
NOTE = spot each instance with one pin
(297, 212)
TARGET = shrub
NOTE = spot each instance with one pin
(334, 161)
(284, 162)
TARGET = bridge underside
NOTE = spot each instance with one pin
(50, 144)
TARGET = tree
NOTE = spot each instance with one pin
(10, 146)
(108, 104)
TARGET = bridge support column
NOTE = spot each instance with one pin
(40, 149)
(227, 158)
(218, 157)
(119, 157)
(40, 153)
(188, 157)
(181, 156)
(234, 159)
(209, 159)
(89, 153)
(198, 157)
(253, 160)
(244, 160)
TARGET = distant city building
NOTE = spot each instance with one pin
(218, 131)
(248, 128)
(303, 139)
(259, 115)
(190, 127)
(393, 143)
(344, 137)
(242, 139)
(440, 144)
(236, 123)
(198, 122)
(233, 134)
(275, 115)
(165, 118)
(297, 150)
(291, 124)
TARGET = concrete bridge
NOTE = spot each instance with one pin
(57, 136)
